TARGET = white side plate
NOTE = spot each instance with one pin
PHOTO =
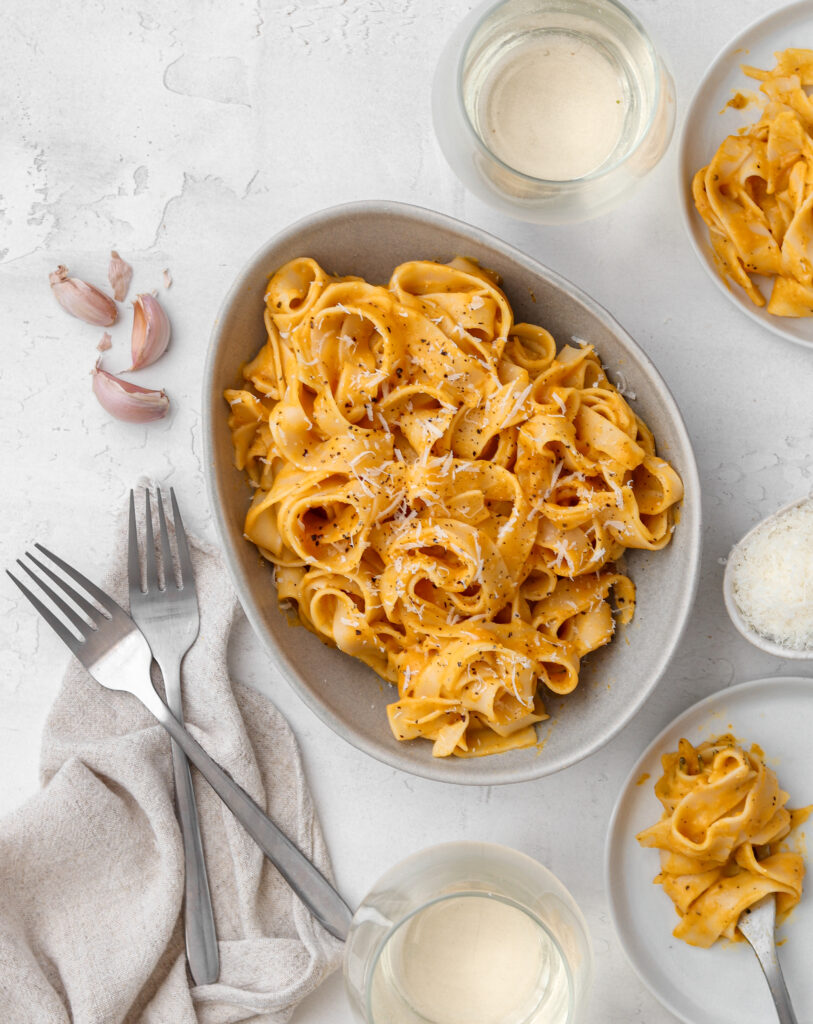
(704, 128)
(724, 984)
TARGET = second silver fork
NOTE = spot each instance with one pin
(169, 620)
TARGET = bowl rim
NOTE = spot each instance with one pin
(468, 773)
(757, 639)
(692, 222)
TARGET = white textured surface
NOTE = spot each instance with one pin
(185, 140)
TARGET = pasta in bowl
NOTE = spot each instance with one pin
(353, 476)
(442, 494)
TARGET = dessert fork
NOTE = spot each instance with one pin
(113, 650)
(169, 620)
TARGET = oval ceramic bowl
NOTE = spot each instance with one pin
(370, 239)
(757, 639)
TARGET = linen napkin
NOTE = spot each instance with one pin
(91, 867)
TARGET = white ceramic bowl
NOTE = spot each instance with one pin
(757, 639)
(370, 239)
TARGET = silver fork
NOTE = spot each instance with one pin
(758, 924)
(113, 650)
(170, 622)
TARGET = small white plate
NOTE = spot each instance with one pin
(704, 128)
(724, 984)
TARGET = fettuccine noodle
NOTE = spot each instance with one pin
(756, 195)
(719, 804)
(442, 495)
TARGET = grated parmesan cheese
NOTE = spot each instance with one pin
(515, 408)
(622, 387)
(557, 469)
(560, 402)
(772, 578)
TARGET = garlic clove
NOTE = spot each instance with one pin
(82, 300)
(126, 401)
(151, 331)
(105, 343)
(119, 274)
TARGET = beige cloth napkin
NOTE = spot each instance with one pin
(91, 867)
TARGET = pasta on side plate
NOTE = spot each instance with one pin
(442, 495)
(756, 194)
(719, 804)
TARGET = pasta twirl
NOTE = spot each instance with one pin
(442, 494)
(720, 803)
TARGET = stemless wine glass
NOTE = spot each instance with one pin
(468, 933)
(607, 35)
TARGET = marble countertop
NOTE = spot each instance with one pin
(185, 137)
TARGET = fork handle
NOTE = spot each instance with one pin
(199, 923)
(769, 962)
(309, 884)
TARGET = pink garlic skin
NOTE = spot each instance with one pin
(119, 274)
(82, 300)
(151, 331)
(126, 401)
(105, 343)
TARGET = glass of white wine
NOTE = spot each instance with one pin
(468, 933)
(552, 110)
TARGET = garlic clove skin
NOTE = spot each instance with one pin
(151, 331)
(82, 300)
(126, 401)
(105, 343)
(119, 274)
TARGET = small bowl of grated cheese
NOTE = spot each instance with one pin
(768, 582)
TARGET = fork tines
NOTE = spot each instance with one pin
(151, 581)
(84, 626)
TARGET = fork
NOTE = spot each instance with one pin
(757, 923)
(170, 622)
(113, 650)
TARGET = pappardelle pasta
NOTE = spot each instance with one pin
(756, 194)
(442, 495)
(720, 803)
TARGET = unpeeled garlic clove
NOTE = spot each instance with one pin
(81, 299)
(119, 274)
(151, 331)
(128, 401)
